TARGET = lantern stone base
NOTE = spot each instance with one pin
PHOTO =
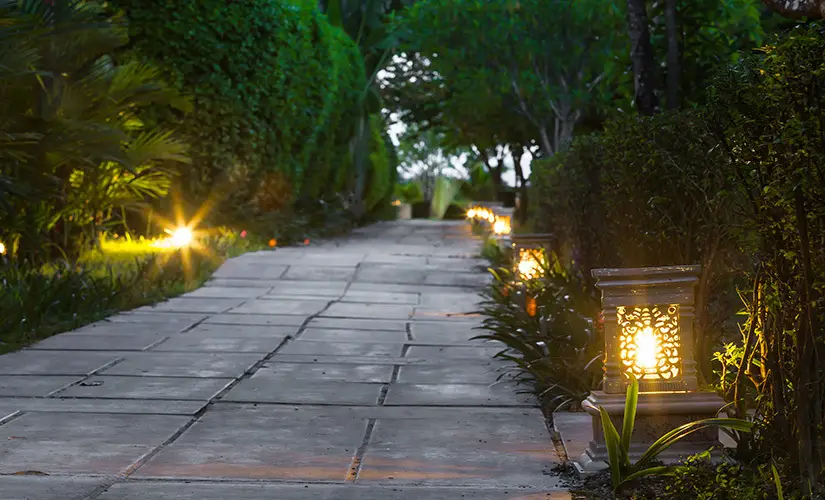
(656, 414)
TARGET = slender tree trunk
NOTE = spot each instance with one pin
(641, 54)
(674, 61)
(545, 142)
(523, 206)
(494, 171)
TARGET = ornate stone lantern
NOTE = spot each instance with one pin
(648, 330)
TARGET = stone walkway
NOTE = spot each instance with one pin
(338, 371)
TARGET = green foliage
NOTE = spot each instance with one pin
(736, 186)
(409, 192)
(618, 448)
(702, 479)
(506, 63)
(365, 23)
(546, 325)
(274, 86)
(491, 248)
(36, 302)
(74, 153)
(446, 190)
(768, 113)
(383, 169)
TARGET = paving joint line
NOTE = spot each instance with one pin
(358, 458)
(86, 377)
(12, 417)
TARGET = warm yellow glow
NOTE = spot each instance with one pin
(647, 348)
(501, 225)
(396, 203)
(182, 237)
(2, 248)
(481, 213)
(529, 266)
(649, 341)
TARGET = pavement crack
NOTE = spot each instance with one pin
(358, 458)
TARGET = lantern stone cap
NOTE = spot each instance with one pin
(531, 237)
(647, 276)
(644, 273)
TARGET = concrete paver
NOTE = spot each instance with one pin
(184, 364)
(342, 370)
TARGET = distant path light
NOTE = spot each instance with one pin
(2, 248)
(181, 237)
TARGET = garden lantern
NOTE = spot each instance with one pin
(648, 335)
(530, 254)
(501, 226)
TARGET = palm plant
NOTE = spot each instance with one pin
(80, 150)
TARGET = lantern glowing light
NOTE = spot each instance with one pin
(646, 348)
(501, 225)
(2, 248)
(529, 264)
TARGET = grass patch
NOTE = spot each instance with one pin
(36, 303)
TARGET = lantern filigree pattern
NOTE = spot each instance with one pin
(530, 263)
(649, 341)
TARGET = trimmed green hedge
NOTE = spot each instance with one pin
(383, 171)
(274, 87)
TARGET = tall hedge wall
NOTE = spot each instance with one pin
(274, 88)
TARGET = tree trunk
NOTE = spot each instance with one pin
(796, 9)
(495, 171)
(523, 206)
(641, 54)
(674, 62)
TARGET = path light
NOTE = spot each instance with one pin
(181, 237)
(530, 254)
(648, 334)
(501, 226)
(2, 248)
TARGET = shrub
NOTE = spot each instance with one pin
(274, 86)
(382, 167)
(547, 327)
(768, 114)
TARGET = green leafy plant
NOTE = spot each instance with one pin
(76, 154)
(492, 251)
(445, 192)
(622, 471)
(547, 329)
(274, 96)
